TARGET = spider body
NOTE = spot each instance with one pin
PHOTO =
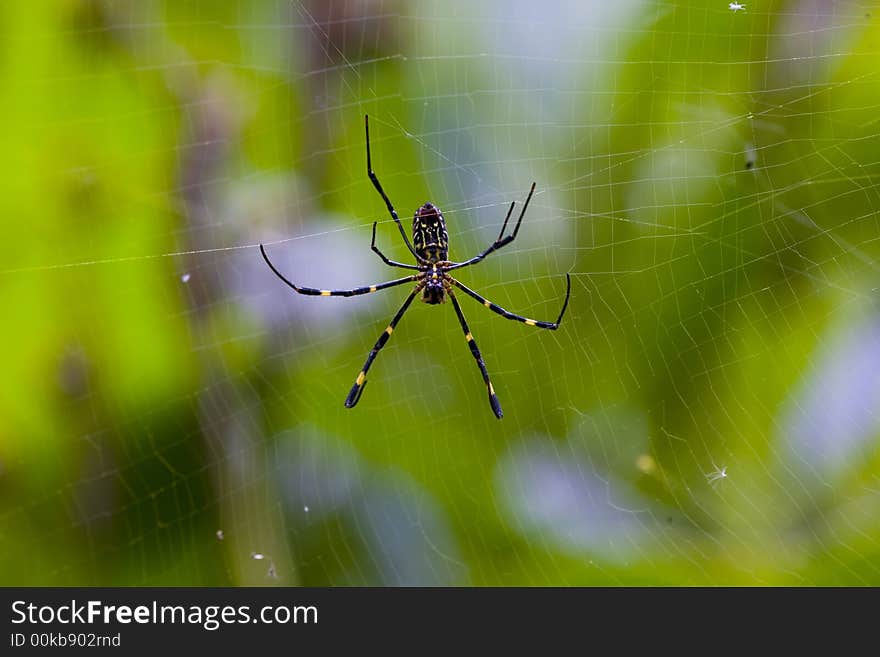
(431, 244)
(430, 247)
(430, 238)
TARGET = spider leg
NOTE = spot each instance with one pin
(509, 315)
(475, 351)
(360, 383)
(335, 293)
(387, 261)
(375, 180)
(501, 241)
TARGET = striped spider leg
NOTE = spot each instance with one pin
(495, 308)
(501, 241)
(314, 292)
(360, 383)
(475, 350)
(375, 180)
(354, 395)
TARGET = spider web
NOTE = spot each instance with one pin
(706, 414)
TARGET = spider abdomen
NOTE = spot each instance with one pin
(430, 239)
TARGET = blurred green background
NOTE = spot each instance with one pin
(170, 413)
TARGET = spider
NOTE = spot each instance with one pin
(430, 247)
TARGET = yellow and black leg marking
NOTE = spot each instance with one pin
(475, 351)
(336, 293)
(357, 389)
(509, 315)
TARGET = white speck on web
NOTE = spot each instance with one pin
(717, 474)
(185, 278)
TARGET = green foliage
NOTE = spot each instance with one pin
(709, 180)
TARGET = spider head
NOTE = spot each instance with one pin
(434, 291)
(430, 238)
